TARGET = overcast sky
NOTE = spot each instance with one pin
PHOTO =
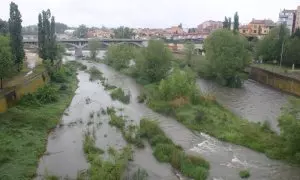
(150, 13)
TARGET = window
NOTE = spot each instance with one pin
(255, 31)
(265, 31)
(244, 31)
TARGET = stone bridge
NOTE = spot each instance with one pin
(79, 44)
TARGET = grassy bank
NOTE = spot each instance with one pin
(206, 115)
(164, 150)
(24, 130)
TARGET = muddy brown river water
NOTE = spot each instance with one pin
(65, 156)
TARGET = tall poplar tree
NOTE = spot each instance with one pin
(236, 23)
(16, 38)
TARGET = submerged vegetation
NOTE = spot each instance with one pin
(165, 150)
(100, 169)
(120, 95)
(131, 133)
(24, 128)
(95, 74)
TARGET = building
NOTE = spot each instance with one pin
(99, 33)
(288, 17)
(257, 28)
(209, 26)
(174, 30)
(297, 21)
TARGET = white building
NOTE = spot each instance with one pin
(288, 18)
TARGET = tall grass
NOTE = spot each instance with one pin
(120, 95)
(24, 131)
(164, 150)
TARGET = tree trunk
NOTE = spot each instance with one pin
(1, 86)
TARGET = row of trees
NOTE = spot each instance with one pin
(46, 36)
(33, 29)
(11, 44)
(227, 23)
(279, 47)
(120, 32)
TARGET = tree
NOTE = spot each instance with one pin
(15, 30)
(270, 47)
(81, 31)
(236, 23)
(180, 25)
(227, 55)
(6, 62)
(41, 36)
(292, 52)
(52, 43)
(225, 23)
(119, 56)
(48, 48)
(94, 46)
(178, 84)
(154, 61)
(296, 33)
(123, 33)
(3, 27)
(60, 27)
(229, 23)
(189, 49)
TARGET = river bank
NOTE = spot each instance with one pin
(24, 131)
(225, 159)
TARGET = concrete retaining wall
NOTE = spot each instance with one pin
(10, 97)
(284, 83)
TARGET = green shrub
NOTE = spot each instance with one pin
(117, 121)
(244, 174)
(120, 95)
(166, 151)
(45, 95)
(163, 152)
(60, 75)
(63, 87)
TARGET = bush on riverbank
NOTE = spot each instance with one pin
(45, 95)
(289, 123)
(165, 150)
(119, 56)
(24, 131)
(119, 94)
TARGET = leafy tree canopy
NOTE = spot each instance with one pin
(227, 55)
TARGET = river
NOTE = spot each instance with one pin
(65, 156)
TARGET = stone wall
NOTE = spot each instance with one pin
(281, 82)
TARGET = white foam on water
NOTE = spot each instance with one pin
(205, 146)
